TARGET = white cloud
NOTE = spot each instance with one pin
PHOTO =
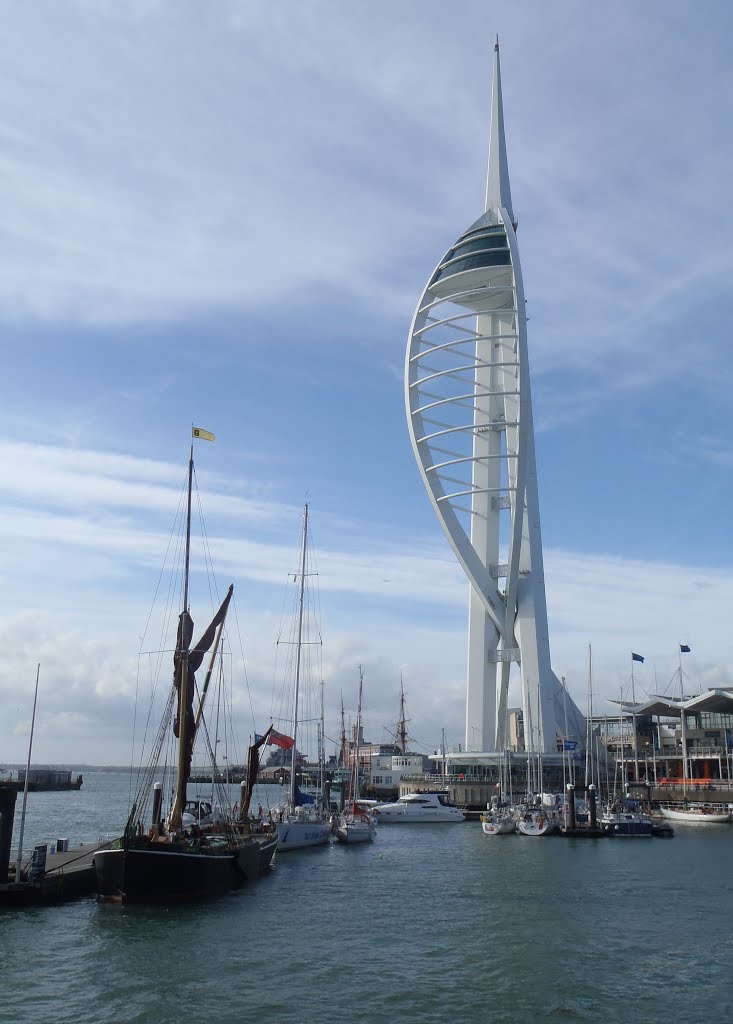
(397, 609)
(171, 163)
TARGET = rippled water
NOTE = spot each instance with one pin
(430, 923)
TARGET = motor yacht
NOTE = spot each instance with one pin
(414, 807)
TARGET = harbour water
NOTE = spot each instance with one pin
(428, 924)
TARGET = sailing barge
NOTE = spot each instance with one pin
(171, 856)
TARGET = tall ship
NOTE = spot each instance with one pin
(173, 853)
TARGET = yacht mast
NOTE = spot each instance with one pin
(296, 697)
(322, 755)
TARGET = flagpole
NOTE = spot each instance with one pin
(683, 724)
(623, 745)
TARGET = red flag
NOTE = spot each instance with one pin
(279, 739)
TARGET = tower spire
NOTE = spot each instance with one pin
(469, 409)
(498, 193)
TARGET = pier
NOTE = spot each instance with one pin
(67, 874)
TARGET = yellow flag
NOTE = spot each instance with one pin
(205, 435)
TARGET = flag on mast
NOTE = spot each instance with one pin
(684, 649)
(637, 657)
(204, 435)
(279, 739)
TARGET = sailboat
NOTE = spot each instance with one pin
(354, 824)
(498, 819)
(164, 858)
(301, 822)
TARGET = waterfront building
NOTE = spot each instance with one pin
(387, 772)
(675, 741)
(383, 766)
(469, 412)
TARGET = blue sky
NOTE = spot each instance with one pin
(225, 214)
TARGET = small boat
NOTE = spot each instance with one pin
(202, 812)
(497, 822)
(696, 814)
(176, 858)
(355, 824)
(431, 806)
(302, 821)
(625, 817)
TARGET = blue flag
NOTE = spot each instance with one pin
(637, 657)
(684, 648)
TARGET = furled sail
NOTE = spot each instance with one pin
(192, 657)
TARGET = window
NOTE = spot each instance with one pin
(491, 258)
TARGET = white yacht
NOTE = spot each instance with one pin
(537, 821)
(431, 807)
(301, 827)
(355, 825)
(697, 814)
(496, 822)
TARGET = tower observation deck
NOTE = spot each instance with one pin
(469, 413)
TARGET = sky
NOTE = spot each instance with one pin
(225, 214)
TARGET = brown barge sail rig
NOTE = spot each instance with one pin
(160, 860)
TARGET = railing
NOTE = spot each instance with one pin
(695, 785)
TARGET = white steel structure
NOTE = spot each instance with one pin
(469, 412)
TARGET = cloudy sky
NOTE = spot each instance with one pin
(224, 214)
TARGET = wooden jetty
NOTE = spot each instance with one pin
(63, 873)
(67, 875)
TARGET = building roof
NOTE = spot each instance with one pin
(718, 700)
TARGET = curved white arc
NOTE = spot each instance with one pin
(478, 574)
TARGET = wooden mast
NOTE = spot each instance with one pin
(174, 821)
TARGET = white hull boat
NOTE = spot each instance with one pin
(493, 825)
(297, 833)
(419, 807)
(355, 828)
(537, 823)
(702, 815)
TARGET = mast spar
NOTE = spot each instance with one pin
(186, 661)
(296, 698)
(185, 630)
(401, 730)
